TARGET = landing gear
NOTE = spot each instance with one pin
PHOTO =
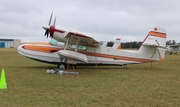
(62, 66)
(125, 66)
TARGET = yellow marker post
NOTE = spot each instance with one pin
(3, 84)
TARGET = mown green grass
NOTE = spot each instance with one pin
(138, 86)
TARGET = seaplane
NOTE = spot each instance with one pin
(73, 47)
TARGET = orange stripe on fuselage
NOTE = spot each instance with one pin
(41, 48)
(115, 57)
(163, 35)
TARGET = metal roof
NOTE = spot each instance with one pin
(6, 39)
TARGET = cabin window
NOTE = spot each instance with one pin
(110, 44)
(84, 48)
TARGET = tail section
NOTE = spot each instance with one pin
(154, 45)
(117, 43)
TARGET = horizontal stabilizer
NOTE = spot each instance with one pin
(153, 45)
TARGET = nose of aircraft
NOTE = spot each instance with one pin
(46, 27)
(49, 30)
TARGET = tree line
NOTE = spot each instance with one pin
(133, 45)
(171, 42)
(136, 44)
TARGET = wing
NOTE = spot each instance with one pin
(82, 39)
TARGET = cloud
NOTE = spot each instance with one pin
(102, 20)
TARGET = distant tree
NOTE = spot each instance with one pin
(134, 44)
(127, 45)
(139, 44)
(168, 42)
(174, 42)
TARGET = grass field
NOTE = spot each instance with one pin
(138, 86)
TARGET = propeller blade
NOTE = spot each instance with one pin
(54, 22)
(46, 33)
(50, 18)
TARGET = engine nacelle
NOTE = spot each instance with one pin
(58, 34)
(59, 37)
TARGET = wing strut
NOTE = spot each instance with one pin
(67, 43)
(153, 53)
(76, 45)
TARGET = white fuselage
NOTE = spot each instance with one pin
(81, 49)
(101, 55)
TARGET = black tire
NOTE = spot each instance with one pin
(62, 66)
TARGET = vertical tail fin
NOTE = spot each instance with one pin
(117, 43)
(154, 45)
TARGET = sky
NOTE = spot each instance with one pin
(104, 20)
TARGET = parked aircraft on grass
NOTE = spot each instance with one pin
(173, 49)
(81, 49)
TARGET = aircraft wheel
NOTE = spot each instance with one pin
(62, 66)
(125, 66)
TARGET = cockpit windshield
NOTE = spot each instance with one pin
(53, 42)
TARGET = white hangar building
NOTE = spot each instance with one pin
(9, 43)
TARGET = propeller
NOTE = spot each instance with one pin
(47, 28)
(46, 33)
(54, 22)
